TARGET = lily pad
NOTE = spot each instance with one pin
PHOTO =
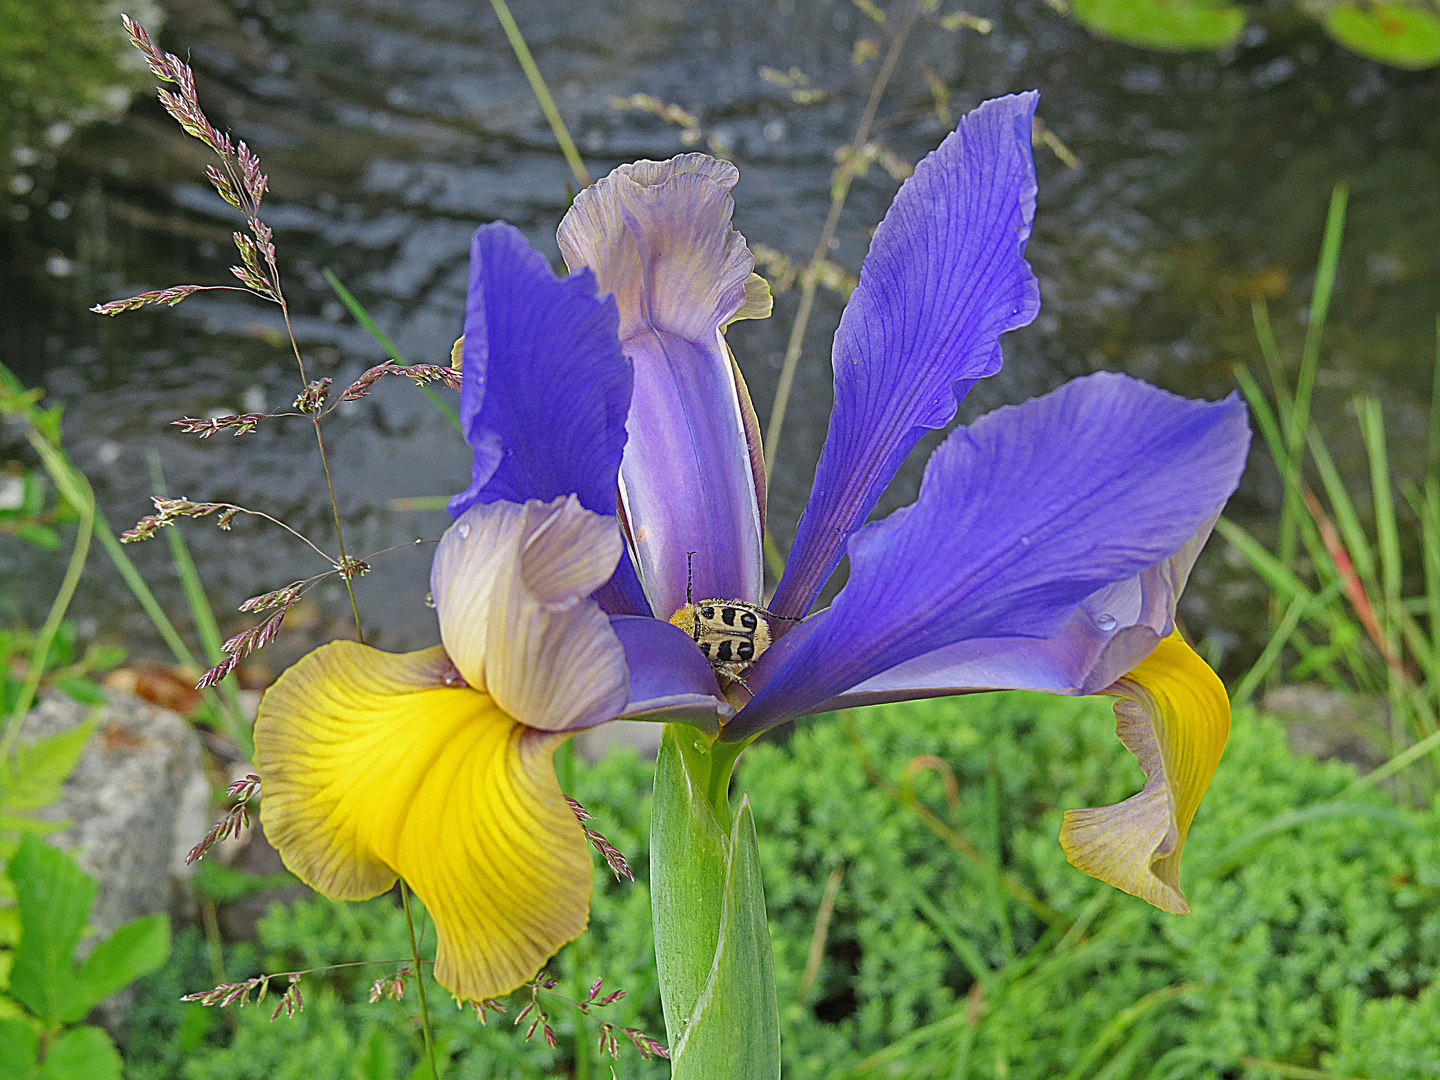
(1174, 25)
(1395, 34)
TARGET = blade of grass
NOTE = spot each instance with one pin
(362, 316)
(1309, 360)
(40, 655)
(1270, 656)
(1427, 745)
(541, 92)
(1430, 524)
(1263, 415)
(963, 948)
(1387, 533)
(1343, 507)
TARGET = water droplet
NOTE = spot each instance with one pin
(464, 530)
(1105, 622)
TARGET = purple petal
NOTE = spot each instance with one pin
(945, 277)
(1105, 637)
(1021, 517)
(658, 236)
(545, 388)
(669, 679)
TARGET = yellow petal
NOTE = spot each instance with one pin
(374, 767)
(1174, 716)
(758, 300)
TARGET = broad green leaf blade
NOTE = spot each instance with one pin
(137, 948)
(734, 1030)
(19, 1048)
(712, 940)
(32, 778)
(54, 897)
(82, 1053)
(1398, 34)
(1173, 25)
(687, 877)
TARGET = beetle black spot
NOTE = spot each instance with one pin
(705, 648)
(746, 651)
(727, 616)
(747, 620)
(723, 653)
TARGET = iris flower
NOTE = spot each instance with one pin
(618, 476)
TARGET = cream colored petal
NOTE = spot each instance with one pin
(1174, 716)
(512, 589)
(658, 236)
(374, 767)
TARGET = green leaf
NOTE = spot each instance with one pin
(81, 689)
(1172, 25)
(104, 657)
(82, 1053)
(41, 536)
(712, 940)
(54, 897)
(1395, 34)
(139, 947)
(34, 777)
(19, 1048)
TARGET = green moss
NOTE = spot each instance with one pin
(1314, 946)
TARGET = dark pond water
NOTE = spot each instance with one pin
(392, 129)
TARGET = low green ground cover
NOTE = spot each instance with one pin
(962, 947)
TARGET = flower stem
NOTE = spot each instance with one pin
(419, 982)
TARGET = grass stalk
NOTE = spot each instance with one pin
(419, 982)
(202, 615)
(542, 93)
(839, 192)
(1309, 361)
(46, 637)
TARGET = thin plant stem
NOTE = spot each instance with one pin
(541, 92)
(46, 638)
(419, 982)
(325, 464)
(839, 192)
(195, 598)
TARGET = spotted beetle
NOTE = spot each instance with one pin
(731, 634)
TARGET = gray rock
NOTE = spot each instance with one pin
(1323, 723)
(136, 802)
